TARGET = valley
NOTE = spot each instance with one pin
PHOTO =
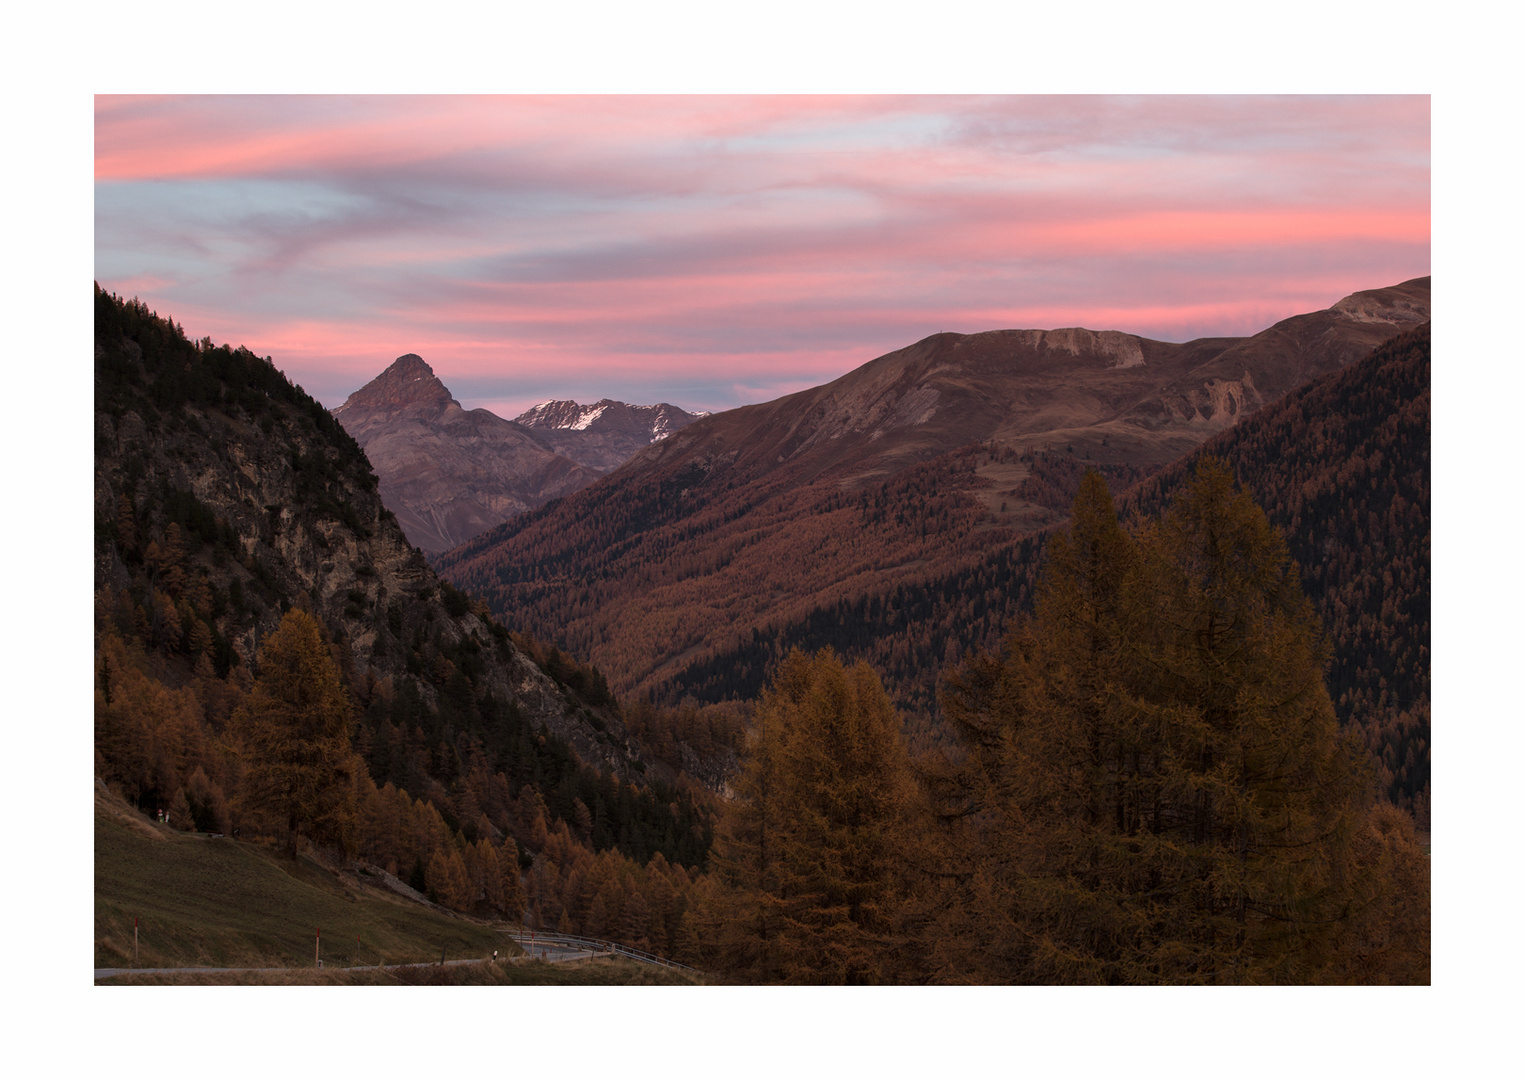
(897, 473)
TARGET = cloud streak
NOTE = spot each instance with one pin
(733, 248)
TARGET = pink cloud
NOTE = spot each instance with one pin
(733, 244)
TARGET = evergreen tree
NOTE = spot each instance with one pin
(449, 885)
(126, 526)
(1154, 789)
(294, 727)
(1051, 746)
(809, 858)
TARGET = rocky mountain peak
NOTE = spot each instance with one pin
(646, 423)
(563, 415)
(407, 382)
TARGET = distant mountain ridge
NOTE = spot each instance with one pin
(750, 519)
(607, 433)
(449, 473)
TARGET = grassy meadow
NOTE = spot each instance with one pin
(215, 902)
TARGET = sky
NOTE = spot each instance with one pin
(713, 251)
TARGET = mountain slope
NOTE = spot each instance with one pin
(272, 502)
(1340, 465)
(225, 496)
(448, 473)
(220, 903)
(1122, 397)
(747, 521)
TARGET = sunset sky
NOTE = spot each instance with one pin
(716, 251)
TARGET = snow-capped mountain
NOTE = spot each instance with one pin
(605, 434)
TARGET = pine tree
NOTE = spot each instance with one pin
(1258, 790)
(1154, 789)
(1048, 746)
(737, 917)
(126, 526)
(448, 883)
(810, 856)
(488, 866)
(294, 727)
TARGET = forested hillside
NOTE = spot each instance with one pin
(244, 562)
(1341, 466)
(912, 630)
(1343, 469)
(1148, 785)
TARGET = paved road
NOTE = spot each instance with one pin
(548, 954)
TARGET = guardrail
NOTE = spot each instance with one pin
(531, 939)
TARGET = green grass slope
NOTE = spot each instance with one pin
(217, 902)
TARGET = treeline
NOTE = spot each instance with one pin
(1148, 785)
(146, 363)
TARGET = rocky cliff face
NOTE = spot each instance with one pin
(271, 505)
(446, 472)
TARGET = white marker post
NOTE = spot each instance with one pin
(317, 948)
(134, 941)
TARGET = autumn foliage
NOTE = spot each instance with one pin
(293, 730)
(230, 699)
(809, 864)
(1148, 785)
(1154, 786)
